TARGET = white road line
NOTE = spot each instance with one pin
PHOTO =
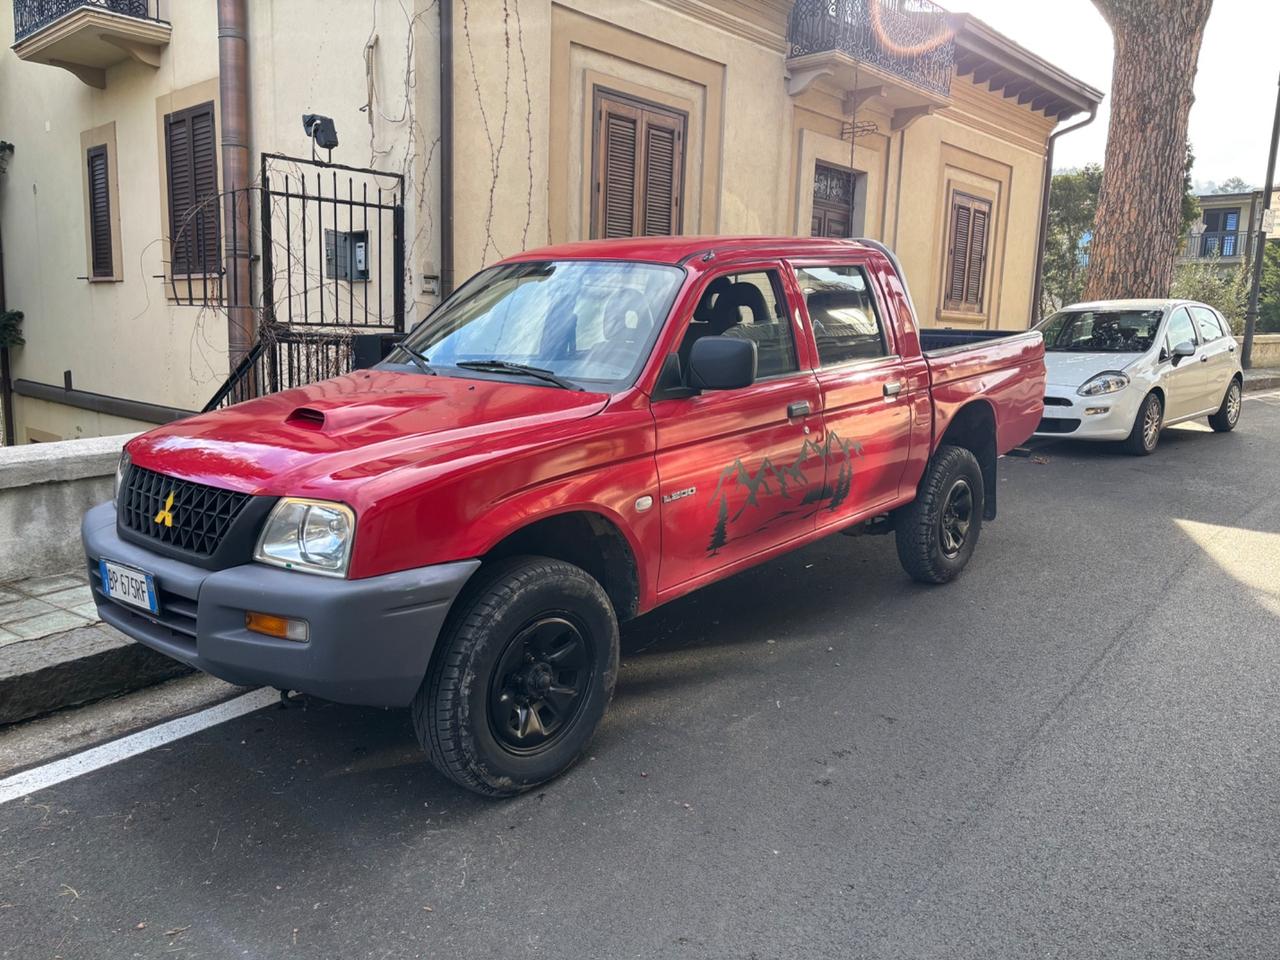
(1269, 394)
(95, 758)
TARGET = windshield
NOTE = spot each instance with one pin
(1101, 331)
(588, 322)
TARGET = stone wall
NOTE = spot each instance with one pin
(45, 488)
(1266, 349)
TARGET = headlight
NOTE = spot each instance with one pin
(309, 535)
(121, 469)
(1111, 381)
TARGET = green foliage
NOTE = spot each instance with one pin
(1073, 201)
(1232, 185)
(1190, 205)
(11, 328)
(1209, 281)
(1269, 290)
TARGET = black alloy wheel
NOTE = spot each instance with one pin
(537, 689)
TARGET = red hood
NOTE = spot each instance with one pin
(353, 428)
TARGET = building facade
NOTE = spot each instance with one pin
(1227, 231)
(480, 128)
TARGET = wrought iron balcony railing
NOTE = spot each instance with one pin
(910, 39)
(30, 15)
(1216, 243)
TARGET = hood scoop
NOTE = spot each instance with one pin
(308, 417)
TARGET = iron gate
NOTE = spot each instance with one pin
(333, 253)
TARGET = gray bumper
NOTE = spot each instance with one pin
(369, 641)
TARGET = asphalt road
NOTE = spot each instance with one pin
(1070, 752)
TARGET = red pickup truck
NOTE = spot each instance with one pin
(577, 435)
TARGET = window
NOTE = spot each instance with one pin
(748, 306)
(843, 314)
(101, 260)
(638, 168)
(1180, 329)
(968, 238)
(191, 159)
(1101, 331)
(1207, 322)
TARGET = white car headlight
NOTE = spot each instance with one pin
(313, 536)
(121, 469)
(1112, 381)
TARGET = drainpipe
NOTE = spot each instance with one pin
(1045, 187)
(446, 148)
(233, 87)
(6, 378)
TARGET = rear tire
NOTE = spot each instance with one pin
(1228, 415)
(1145, 435)
(520, 678)
(936, 533)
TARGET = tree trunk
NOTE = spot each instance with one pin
(1157, 44)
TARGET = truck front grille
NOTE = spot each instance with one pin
(189, 516)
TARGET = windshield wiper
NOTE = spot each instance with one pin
(419, 360)
(505, 366)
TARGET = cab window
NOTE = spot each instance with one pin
(845, 323)
(748, 306)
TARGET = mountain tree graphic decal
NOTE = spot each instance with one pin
(719, 536)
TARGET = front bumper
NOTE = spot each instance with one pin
(1106, 417)
(369, 641)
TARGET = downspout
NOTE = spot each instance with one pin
(6, 375)
(1045, 187)
(446, 148)
(233, 88)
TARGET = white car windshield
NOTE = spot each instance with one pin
(1101, 331)
(588, 323)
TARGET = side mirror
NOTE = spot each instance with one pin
(722, 363)
(1183, 350)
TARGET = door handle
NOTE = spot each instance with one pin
(798, 409)
(893, 388)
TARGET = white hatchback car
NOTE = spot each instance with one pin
(1124, 369)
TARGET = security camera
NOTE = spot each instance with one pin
(321, 130)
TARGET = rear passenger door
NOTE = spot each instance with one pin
(1218, 350)
(738, 470)
(866, 410)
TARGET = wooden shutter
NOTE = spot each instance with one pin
(966, 263)
(638, 168)
(102, 263)
(191, 158)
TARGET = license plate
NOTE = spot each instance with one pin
(129, 586)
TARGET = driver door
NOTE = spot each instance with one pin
(1184, 384)
(739, 470)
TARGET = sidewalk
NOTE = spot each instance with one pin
(1261, 378)
(54, 651)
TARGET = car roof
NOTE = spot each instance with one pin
(676, 250)
(1136, 303)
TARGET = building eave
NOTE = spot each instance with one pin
(1013, 71)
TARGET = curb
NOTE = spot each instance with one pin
(75, 667)
(1269, 381)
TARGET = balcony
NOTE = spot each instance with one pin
(86, 37)
(1210, 244)
(901, 50)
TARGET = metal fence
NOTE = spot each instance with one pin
(911, 39)
(30, 15)
(1216, 243)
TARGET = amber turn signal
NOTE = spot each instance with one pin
(283, 628)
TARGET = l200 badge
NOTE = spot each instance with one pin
(679, 494)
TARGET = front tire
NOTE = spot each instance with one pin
(1228, 414)
(1147, 425)
(520, 678)
(936, 533)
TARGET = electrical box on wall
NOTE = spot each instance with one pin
(346, 254)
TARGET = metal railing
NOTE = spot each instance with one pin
(30, 15)
(911, 39)
(1216, 243)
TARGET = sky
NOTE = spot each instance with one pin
(1235, 85)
